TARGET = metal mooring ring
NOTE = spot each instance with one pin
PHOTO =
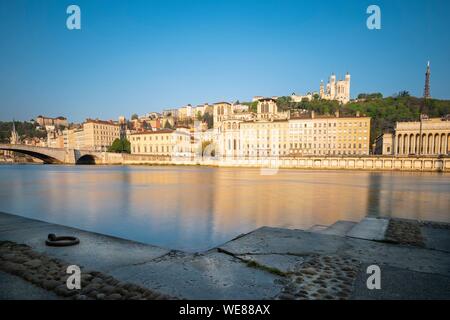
(63, 241)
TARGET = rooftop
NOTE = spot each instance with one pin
(110, 122)
(162, 131)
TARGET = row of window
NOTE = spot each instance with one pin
(106, 127)
(232, 144)
(308, 131)
(104, 138)
(145, 149)
(310, 138)
(234, 125)
(160, 138)
(105, 133)
(262, 153)
(328, 124)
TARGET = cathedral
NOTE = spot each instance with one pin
(336, 90)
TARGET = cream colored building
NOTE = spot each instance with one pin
(221, 111)
(240, 139)
(99, 135)
(267, 109)
(308, 97)
(329, 135)
(46, 121)
(164, 142)
(256, 98)
(336, 90)
(185, 112)
(74, 138)
(426, 137)
(55, 139)
(274, 134)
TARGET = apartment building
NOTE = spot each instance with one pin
(98, 135)
(165, 142)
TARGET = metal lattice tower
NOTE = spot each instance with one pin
(426, 92)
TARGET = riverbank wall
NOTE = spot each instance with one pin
(439, 163)
(371, 163)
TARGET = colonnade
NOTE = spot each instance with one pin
(426, 144)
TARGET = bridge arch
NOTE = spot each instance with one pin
(87, 159)
(46, 158)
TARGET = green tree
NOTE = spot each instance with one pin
(252, 106)
(120, 146)
(368, 96)
(384, 112)
(208, 118)
(134, 116)
(24, 129)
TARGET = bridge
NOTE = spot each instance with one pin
(56, 155)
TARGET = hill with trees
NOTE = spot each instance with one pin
(25, 129)
(385, 112)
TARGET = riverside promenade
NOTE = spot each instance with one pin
(427, 163)
(325, 262)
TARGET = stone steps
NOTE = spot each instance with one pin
(339, 228)
(317, 228)
(369, 229)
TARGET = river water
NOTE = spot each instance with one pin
(197, 208)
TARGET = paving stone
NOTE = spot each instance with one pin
(316, 266)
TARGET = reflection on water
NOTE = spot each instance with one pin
(196, 208)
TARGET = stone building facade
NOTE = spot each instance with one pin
(274, 134)
(329, 135)
(47, 121)
(99, 135)
(221, 111)
(165, 142)
(336, 89)
(426, 137)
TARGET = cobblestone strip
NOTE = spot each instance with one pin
(435, 225)
(50, 274)
(405, 232)
(321, 277)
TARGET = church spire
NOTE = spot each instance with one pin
(14, 136)
(426, 92)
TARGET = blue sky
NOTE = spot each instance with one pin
(140, 56)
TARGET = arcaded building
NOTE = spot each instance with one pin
(427, 137)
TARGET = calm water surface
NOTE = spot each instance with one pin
(197, 208)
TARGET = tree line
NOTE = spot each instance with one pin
(25, 129)
(384, 112)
